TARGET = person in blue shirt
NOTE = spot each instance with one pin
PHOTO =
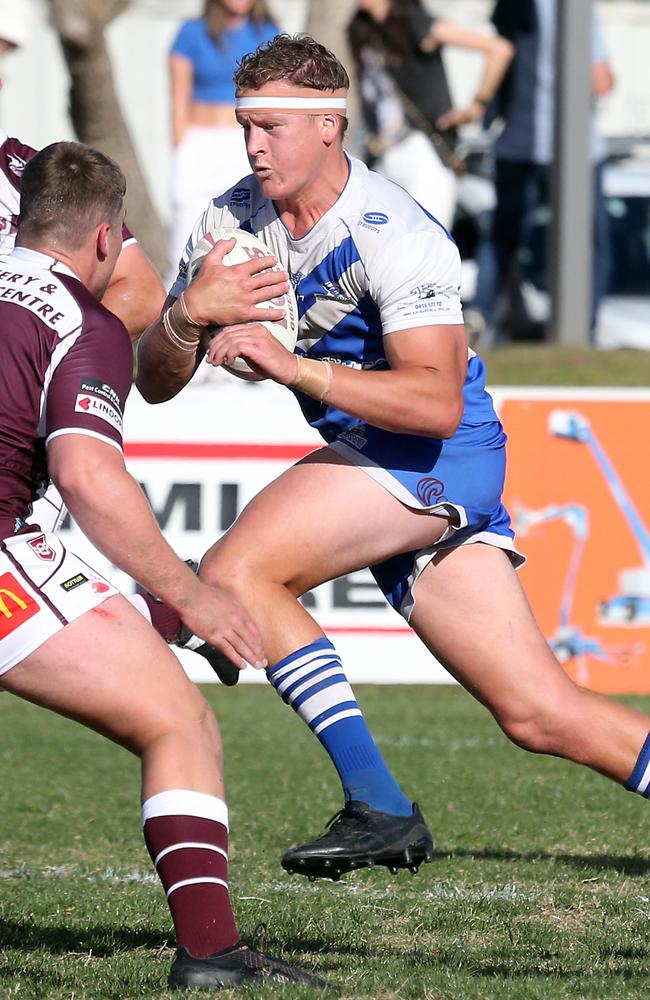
(209, 151)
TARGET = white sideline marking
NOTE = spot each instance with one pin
(63, 871)
(443, 890)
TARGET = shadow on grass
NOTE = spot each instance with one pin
(538, 963)
(109, 942)
(103, 941)
(624, 864)
(106, 942)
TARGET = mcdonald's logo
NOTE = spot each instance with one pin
(16, 605)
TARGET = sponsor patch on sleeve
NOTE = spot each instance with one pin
(101, 389)
(95, 407)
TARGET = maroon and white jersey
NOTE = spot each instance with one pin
(13, 157)
(14, 154)
(65, 368)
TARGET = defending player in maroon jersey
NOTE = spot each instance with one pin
(135, 292)
(69, 641)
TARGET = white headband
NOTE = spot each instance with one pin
(292, 103)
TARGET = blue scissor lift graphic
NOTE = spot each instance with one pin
(631, 607)
(568, 642)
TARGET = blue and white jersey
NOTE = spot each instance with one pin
(375, 263)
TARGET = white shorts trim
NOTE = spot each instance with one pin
(424, 557)
(393, 486)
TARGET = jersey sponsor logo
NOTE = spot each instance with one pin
(333, 293)
(18, 286)
(94, 407)
(16, 605)
(101, 389)
(42, 549)
(430, 489)
(425, 291)
(429, 290)
(74, 581)
(375, 218)
(356, 436)
(240, 196)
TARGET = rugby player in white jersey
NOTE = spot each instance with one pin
(68, 640)
(410, 483)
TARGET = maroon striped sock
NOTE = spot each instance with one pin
(190, 853)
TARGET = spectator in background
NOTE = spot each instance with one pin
(524, 149)
(209, 150)
(397, 50)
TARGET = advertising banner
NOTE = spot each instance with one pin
(577, 488)
(578, 491)
(200, 458)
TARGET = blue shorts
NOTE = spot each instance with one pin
(461, 478)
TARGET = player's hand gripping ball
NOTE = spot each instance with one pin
(246, 248)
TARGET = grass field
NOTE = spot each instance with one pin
(547, 364)
(539, 888)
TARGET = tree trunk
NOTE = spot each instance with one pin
(327, 23)
(95, 110)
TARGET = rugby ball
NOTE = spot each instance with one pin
(246, 248)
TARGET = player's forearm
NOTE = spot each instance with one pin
(162, 368)
(113, 513)
(409, 401)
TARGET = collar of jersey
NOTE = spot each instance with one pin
(42, 260)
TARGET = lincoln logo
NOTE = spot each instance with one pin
(14, 598)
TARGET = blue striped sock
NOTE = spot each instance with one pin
(312, 681)
(639, 780)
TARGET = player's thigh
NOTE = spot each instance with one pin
(109, 670)
(472, 613)
(322, 518)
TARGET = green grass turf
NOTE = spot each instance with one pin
(540, 885)
(547, 364)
